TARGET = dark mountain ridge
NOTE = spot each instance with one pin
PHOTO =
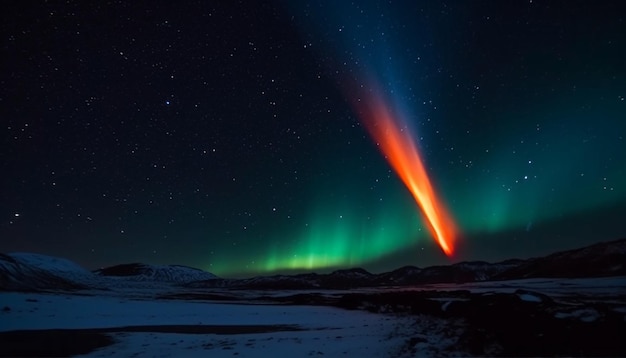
(33, 272)
(597, 260)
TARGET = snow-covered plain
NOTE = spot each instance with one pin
(324, 331)
(304, 330)
(50, 302)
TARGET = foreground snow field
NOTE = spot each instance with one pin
(318, 330)
(431, 320)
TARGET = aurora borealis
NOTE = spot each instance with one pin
(228, 136)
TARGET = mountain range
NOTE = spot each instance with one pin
(27, 272)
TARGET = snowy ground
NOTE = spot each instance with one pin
(549, 286)
(142, 323)
(320, 331)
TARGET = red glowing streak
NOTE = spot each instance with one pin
(403, 156)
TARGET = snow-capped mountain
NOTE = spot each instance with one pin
(159, 273)
(18, 274)
(56, 266)
(28, 271)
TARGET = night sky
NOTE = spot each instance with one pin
(230, 136)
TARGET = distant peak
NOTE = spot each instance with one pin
(356, 270)
(165, 273)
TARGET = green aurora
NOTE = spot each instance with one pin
(504, 161)
(509, 186)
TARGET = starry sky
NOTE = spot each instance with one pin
(224, 135)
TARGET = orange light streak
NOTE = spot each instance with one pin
(400, 151)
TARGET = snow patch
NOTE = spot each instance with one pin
(585, 315)
(444, 307)
(529, 298)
